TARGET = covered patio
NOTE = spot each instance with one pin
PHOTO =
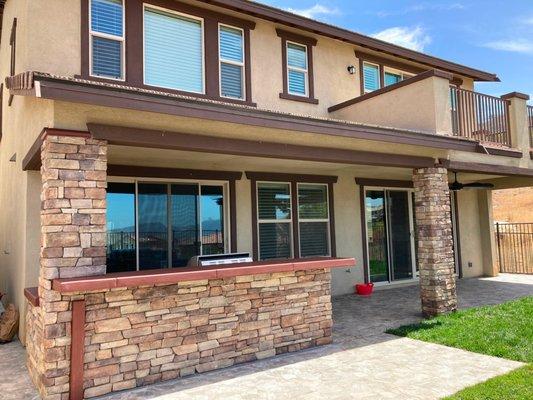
(362, 360)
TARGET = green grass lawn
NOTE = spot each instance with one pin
(505, 330)
(516, 385)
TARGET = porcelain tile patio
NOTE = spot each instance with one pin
(363, 363)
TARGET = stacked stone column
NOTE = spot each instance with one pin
(73, 229)
(435, 241)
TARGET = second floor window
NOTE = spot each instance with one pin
(173, 51)
(371, 77)
(107, 38)
(297, 70)
(231, 55)
(393, 76)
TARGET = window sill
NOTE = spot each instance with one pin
(301, 99)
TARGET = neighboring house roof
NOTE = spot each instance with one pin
(320, 28)
(79, 90)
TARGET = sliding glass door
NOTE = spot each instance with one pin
(161, 225)
(389, 227)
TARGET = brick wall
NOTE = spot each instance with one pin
(435, 241)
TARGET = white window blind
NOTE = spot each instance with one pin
(107, 38)
(371, 77)
(297, 69)
(173, 51)
(313, 219)
(274, 220)
(231, 52)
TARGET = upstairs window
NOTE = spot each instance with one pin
(231, 56)
(297, 69)
(371, 77)
(392, 76)
(173, 50)
(107, 38)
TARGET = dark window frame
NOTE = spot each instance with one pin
(309, 43)
(293, 181)
(134, 52)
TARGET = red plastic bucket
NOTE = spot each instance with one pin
(364, 289)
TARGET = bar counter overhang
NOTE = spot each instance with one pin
(124, 330)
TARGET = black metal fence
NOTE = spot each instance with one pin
(515, 247)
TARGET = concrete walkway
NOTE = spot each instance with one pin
(363, 362)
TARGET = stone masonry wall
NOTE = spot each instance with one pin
(73, 219)
(138, 336)
(435, 241)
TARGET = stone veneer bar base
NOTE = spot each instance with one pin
(142, 335)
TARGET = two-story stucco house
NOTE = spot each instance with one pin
(144, 141)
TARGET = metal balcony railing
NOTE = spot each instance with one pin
(480, 117)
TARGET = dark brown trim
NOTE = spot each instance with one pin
(97, 94)
(32, 160)
(281, 177)
(295, 220)
(457, 82)
(290, 19)
(1, 109)
(134, 54)
(518, 95)
(32, 295)
(383, 183)
(255, 232)
(172, 173)
(218, 145)
(233, 216)
(13, 50)
(489, 169)
(308, 43)
(457, 233)
(498, 151)
(424, 75)
(332, 236)
(362, 206)
(77, 349)
(169, 276)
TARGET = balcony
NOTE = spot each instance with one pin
(480, 117)
(427, 103)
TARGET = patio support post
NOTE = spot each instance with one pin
(435, 241)
(73, 240)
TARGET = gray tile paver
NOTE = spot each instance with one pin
(363, 363)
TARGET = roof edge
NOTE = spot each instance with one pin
(287, 18)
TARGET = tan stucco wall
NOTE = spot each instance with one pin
(421, 106)
(470, 232)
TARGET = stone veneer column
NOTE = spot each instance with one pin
(435, 241)
(73, 229)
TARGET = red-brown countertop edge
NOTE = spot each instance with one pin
(32, 295)
(175, 275)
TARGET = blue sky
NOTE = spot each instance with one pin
(491, 35)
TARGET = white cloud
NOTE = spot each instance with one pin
(412, 38)
(436, 7)
(513, 45)
(314, 11)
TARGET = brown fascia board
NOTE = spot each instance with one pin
(128, 98)
(490, 169)
(296, 21)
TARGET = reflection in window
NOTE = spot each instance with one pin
(185, 232)
(121, 243)
(212, 211)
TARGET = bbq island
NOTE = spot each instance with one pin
(123, 330)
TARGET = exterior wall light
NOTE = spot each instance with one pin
(351, 69)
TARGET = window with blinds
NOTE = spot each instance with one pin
(297, 69)
(371, 77)
(392, 78)
(231, 55)
(173, 51)
(313, 220)
(274, 211)
(107, 38)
